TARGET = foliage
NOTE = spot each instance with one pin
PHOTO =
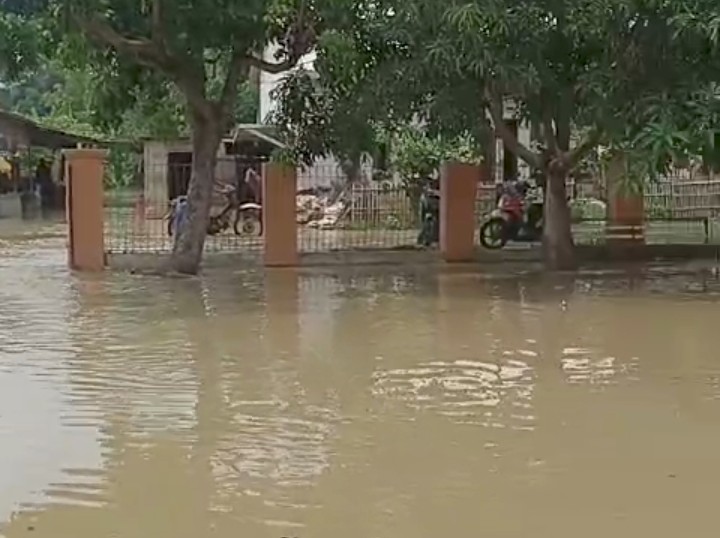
(587, 209)
(313, 120)
(73, 100)
(153, 50)
(585, 71)
(180, 53)
(317, 120)
(417, 155)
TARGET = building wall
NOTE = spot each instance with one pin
(155, 164)
(269, 81)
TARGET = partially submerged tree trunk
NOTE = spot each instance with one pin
(187, 69)
(188, 251)
(556, 162)
(558, 244)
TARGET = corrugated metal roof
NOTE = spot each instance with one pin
(37, 135)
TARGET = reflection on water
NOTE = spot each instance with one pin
(360, 403)
(462, 388)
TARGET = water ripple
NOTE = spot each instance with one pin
(290, 450)
(582, 365)
(494, 395)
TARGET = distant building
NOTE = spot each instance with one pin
(167, 163)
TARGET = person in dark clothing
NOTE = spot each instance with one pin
(44, 182)
(250, 188)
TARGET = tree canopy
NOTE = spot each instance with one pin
(584, 72)
(638, 75)
(154, 51)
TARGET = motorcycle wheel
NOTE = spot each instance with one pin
(248, 226)
(493, 235)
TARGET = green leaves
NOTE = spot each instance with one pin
(20, 44)
(418, 155)
(466, 17)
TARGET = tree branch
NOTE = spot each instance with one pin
(549, 132)
(299, 40)
(270, 67)
(148, 53)
(142, 50)
(582, 149)
(236, 69)
(562, 123)
(158, 29)
(507, 136)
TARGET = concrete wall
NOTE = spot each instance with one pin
(10, 206)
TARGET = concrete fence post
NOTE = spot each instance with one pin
(458, 188)
(279, 215)
(625, 208)
(85, 169)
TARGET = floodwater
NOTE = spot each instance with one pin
(371, 403)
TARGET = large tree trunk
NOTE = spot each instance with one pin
(187, 254)
(558, 245)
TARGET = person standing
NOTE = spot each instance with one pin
(44, 182)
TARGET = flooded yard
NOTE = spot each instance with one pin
(356, 403)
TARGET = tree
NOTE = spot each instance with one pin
(313, 122)
(320, 115)
(578, 69)
(81, 101)
(681, 121)
(146, 45)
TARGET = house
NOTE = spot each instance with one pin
(18, 135)
(167, 163)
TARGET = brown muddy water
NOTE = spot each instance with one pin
(396, 403)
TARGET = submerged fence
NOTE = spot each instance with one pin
(359, 217)
(335, 216)
(679, 198)
(138, 219)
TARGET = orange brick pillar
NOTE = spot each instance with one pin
(625, 208)
(458, 187)
(279, 221)
(85, 169)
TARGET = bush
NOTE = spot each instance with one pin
(587, 209)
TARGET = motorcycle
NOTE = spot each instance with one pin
(247, 216)
(517, 217)
(429, 217)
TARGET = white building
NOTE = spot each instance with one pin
(326, 170)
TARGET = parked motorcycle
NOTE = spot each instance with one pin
(517, 217)
(246, 218)
(429, 217)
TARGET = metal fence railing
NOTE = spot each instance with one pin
(369, 215)
(360, 217)
(137, 219)
(676, 197)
